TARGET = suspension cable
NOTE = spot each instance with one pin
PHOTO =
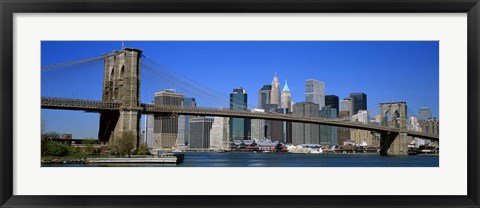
(72, 63)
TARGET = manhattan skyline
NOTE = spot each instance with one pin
(384, 70)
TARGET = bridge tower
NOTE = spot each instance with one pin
(121, 84)
(394, 114)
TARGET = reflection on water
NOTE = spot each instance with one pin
(283, 160)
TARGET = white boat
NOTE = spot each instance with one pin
(303, 150)
(315, 150)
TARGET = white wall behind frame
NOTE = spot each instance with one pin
(30, 29)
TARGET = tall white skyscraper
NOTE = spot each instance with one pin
(258, 127)
(346, 105)
(286, 97)
(275, 95)
(219, 133)
(360, 136)
(315, 92)
(424, 113)
(149, 130)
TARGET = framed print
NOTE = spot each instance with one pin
(264, 103)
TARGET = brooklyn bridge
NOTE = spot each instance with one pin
(120, 107)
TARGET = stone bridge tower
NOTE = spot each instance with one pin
(394, 114)
(121, 84)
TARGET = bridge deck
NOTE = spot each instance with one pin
(98, 106)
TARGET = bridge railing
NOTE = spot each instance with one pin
(256, 114)
(78, 103)
(225, 112)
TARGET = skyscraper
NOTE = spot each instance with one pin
(258, 128)
(149, 120)
(328, 134)
(286, 97)
(166, 128)
(219, 133)
(332, 101)
(184, 123)
(359, 135)
(424, 113)
(275, 95)
(304, 133)
(264, 96)
(346, 106)
(270, 125)
(315, 92)
(239, 127)
(200, 132)
(359, 102)
(343, 134)
(285, 129)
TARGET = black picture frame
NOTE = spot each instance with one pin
(10, 7)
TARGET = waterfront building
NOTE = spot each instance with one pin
(346, 106)
(264, 96)
(315, 92)
(359, 102)
(328, 134)
(358, 135)
(184, 123)
(275, 92)
(286, 97)
(332, 101)
(239, 127)
(200, 132)
(304, 133)
(166, 127)
(219, 134)
(424, 113)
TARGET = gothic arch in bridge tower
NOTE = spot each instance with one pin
(394, 115)
(120, 85)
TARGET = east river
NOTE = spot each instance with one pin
(283, 160)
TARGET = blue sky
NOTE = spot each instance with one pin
(385, 70)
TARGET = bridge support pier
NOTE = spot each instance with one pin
(394, 114)
(121, 84)
(128, 122)
(108, 121)
(394, 144)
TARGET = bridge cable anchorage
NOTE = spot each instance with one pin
(191, 80)
(72, 62)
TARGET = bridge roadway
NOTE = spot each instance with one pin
(97, 106)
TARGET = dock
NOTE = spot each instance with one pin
(133, 160)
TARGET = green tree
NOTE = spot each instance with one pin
(89, 146)
(56, 148)
(143, 150)
(124, 144)
(45, 137)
